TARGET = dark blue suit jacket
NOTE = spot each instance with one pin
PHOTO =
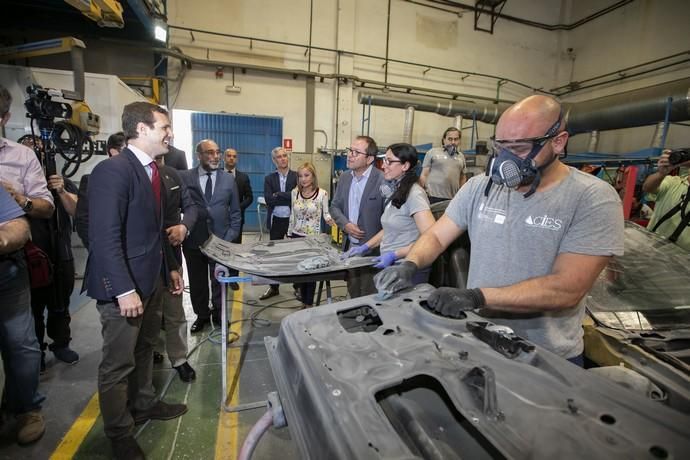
(125, 233)
(272, 186)
(221, 216)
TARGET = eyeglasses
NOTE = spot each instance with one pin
(387, 161)
(211, 152)
(527, 145)
(354, 152)
(520, 147)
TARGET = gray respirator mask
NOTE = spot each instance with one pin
(506, 168)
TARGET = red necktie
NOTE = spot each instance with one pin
(156, 186)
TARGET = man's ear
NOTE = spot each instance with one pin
(559, 142)
(5, 118)
(142, 128)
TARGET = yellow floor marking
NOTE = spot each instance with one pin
(228, 422)
(80, 428)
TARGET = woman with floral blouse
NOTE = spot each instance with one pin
(309, 205)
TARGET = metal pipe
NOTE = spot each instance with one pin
(526, 22)
(292, 72)
(408, 125)
(485, 112)
(621, 71)
(593, 144)
(639, 107)
(388, 35)
(658, 135)
(309, 115)
(311, 23)
(77, 57)
(352, 53)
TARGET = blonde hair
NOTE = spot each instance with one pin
(309, 167)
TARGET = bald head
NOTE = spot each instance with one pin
(530, 117)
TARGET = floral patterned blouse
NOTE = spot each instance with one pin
(305, 217)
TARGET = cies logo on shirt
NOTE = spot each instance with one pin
(544, 221)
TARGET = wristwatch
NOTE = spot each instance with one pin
(28, 205)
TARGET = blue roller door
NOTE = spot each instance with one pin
(253, 137)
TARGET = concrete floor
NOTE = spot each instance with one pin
(73, 424)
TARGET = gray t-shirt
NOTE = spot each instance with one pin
(444, 173)
(399, 227)
(514, 239)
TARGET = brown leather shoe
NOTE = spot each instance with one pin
(160, 411)
(270, 292)
(30, 427)
(126, 449)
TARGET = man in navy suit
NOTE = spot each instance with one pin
(278, 194)
(216, 194)
(244, 189)
(357, 207)
(126, 273)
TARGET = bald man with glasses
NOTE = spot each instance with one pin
(541, 233)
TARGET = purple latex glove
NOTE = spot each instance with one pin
(385, 260)
(356, 251)
(220, 270)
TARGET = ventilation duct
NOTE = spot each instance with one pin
(640, 107)
(487, 113)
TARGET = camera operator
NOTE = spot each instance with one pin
(54, 237)
(671, 213)
(22, 178)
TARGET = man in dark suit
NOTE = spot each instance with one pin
(176, 159)
(357, 207)
(278, 194)
(126, 272)
(217, 197)
(179, 216)
(244, 188)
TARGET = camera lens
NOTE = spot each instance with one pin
(679, 156)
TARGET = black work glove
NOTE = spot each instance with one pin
(395, 278)
(449, 301)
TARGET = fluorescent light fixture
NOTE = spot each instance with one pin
(161, 33)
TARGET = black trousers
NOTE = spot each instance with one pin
(279, 228)
(200, 271)
(55, 300)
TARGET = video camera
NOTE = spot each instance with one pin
(678, 156)
(40, 105)
(70, 138)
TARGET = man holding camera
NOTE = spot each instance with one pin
(671, 216)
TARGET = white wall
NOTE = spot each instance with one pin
(640, 31)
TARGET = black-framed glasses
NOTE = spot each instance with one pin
(387, 161)
(354, 152)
